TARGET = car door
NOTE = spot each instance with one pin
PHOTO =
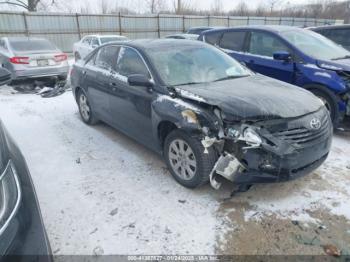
(259, 56)
(98, 71)
(131, 105)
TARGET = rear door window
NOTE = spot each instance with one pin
(94, 42)
(212, 38)
(130, 62)
(106, 57)
(233, 40)
(264, 44)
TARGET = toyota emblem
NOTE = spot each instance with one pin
(315, 123)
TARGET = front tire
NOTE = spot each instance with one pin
(188, 161)
(85, 109)
(330, 101)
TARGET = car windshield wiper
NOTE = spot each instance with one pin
(339, 58)
(189, 83)
(229, 77)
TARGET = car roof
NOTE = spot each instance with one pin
(346, 26)
(145, 44)
(270, 28)
(23, 38)
(101, 36)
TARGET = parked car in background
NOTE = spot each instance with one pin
(89, 42)
(297, 56)
(340, 34)
(206, 113)
(198, 30)
(183, 36)
(5, 76)
(29, 59)
(22, 231)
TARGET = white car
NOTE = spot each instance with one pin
(89, 42)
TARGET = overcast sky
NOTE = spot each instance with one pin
(141, 5)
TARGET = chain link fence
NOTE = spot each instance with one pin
(65, 29)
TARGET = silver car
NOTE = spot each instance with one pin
(32, 58)
(89, 42)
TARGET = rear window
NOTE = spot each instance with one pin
(112, 39)
(24, 45)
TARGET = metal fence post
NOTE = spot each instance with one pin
(78, 25)
(25, 24)
(183, 24)
(208, 20)
(158, 26)
(228, 21)
(248, 20)
(120, 24)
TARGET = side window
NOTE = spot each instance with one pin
(94, 42)
(265, 44)
(3, 44)
(86, 40)
(130, 62)
(212, 38)
(340, 36)
(106, 57)
(233, 40)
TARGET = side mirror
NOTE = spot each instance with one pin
(282, 56)
(5, 76)
(139, 80)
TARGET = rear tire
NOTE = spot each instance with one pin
(330, 101)
(192, 165)
(85, 109)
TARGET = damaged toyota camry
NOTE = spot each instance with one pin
(208, 115)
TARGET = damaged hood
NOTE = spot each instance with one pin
(255, 97)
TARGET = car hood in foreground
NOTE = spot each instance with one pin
(253, 98)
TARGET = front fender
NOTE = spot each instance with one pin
(166, 108)
(312, 74)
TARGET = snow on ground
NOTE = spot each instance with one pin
(101, 192)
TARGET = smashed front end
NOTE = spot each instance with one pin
(268, 151)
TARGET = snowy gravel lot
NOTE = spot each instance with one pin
(101, 192)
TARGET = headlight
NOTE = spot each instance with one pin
(10, 196)
(251, 137)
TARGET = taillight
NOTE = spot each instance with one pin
(60, 57)
(19, 60)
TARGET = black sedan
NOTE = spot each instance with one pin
(22, 232)
(208, 115)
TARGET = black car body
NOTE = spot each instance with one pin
(248, 129)
(22, 232)
(338, 33)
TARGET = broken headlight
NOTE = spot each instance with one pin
(10, 196)
(251, 137)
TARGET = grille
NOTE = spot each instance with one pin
(304, 135)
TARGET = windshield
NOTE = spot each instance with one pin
(112, 39)
(180, 65)
(315, 45)
(25, 45)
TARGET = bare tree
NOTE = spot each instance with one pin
(154, 6)
(217, 7)
(242, 9)
(30, 5)
(273, 3)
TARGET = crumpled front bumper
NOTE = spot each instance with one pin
(268, 164)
